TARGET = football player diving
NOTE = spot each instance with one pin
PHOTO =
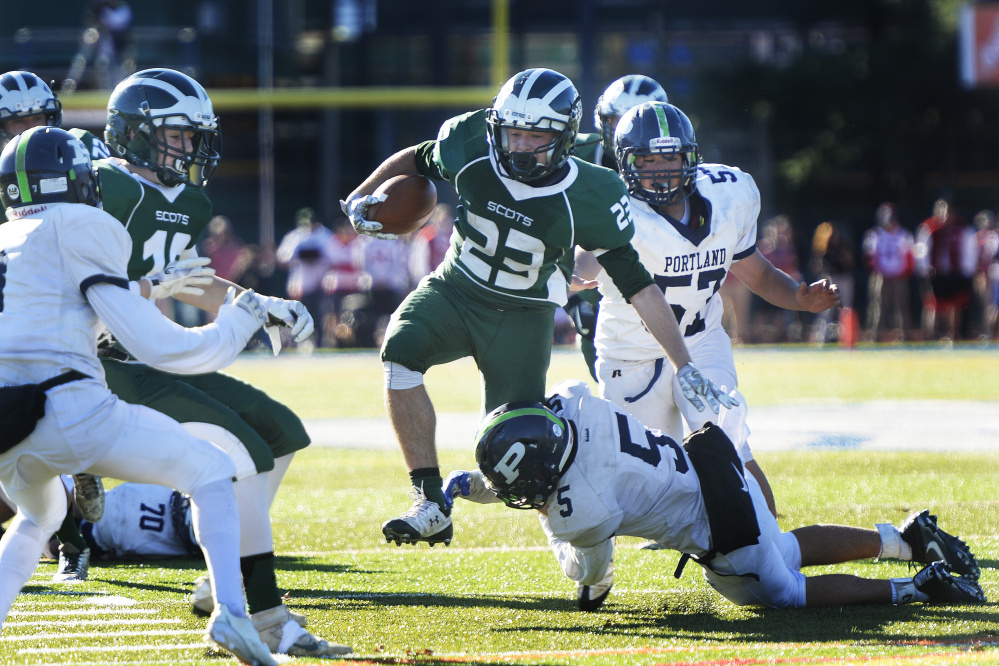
(695, 498)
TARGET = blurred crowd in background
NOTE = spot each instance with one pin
(903, 280)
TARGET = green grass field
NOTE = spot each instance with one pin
(496, 595)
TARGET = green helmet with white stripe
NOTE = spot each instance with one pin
(523, 449)
(656, 128)
(150, 103)
(46, 165)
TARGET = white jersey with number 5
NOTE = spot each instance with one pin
(688, 262)
(625, 480)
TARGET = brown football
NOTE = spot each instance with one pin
(410, 201)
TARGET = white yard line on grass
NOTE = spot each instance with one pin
(103, 635)
(885, 425)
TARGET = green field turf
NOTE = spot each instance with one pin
(496, 595)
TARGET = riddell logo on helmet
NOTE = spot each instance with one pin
(13, 192)
(664, 142)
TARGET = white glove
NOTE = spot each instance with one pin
(356, 207)
(697, 389)
(467, 485)
(249, 302)
(181, 277)
(290, 314)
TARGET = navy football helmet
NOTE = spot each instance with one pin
(656, 128)
(535, 100)
(46, 165)
(523, 449)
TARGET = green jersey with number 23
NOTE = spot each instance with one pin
(514, 242)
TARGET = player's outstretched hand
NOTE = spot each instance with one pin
(181, 277)
(467, 485)
(818, 296)
(356, 208)
(248, 302)
(289, 314)
(699, 390)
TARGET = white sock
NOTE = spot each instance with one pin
(216, 525)
(254, 519)
(276, 475)
(20, 549)
(892, 545)
(904, 591)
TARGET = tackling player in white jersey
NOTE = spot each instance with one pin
(594, 471)
(694, 223)
(62, 279)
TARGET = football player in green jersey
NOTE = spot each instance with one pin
(524, 204)
(26, 101)
(163, 130)
(598, 148)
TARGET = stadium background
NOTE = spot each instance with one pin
(832, 106)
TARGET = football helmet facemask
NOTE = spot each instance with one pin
(656, 128)
(145, 106)
(23, 94)
(625, 93)
(47, 165)
(534, 100)
(523, 449)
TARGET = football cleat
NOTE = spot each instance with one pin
(591, 597)
(942, 587)
(73, 566)
(284, 635)
(423, 522)
(238, 636)
(88, 493)
(204, 603)
(931, 544)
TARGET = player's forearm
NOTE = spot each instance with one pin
(583, 565)
(657, 315)
(403, 162)
(767, 281)
(213, 297)
(779, 288)
(159, 342)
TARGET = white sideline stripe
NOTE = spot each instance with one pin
(122, 648)
(88, 623)
(102, 635)
(83, 611)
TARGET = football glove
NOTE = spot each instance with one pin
(468, 485)
(247, 301)
(289, 314)
(181, 277)
(356, 207)
(700, 390)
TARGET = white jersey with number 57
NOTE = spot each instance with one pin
(688, 262)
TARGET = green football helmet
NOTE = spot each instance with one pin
(149, 103)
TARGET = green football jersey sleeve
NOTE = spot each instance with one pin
(514, 242)
(98, 149)
(162, 221)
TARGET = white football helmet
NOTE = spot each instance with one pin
(23, 94)
(621, 95)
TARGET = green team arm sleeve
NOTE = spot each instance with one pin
(425, 161)
(625, 269)
(460, 140)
